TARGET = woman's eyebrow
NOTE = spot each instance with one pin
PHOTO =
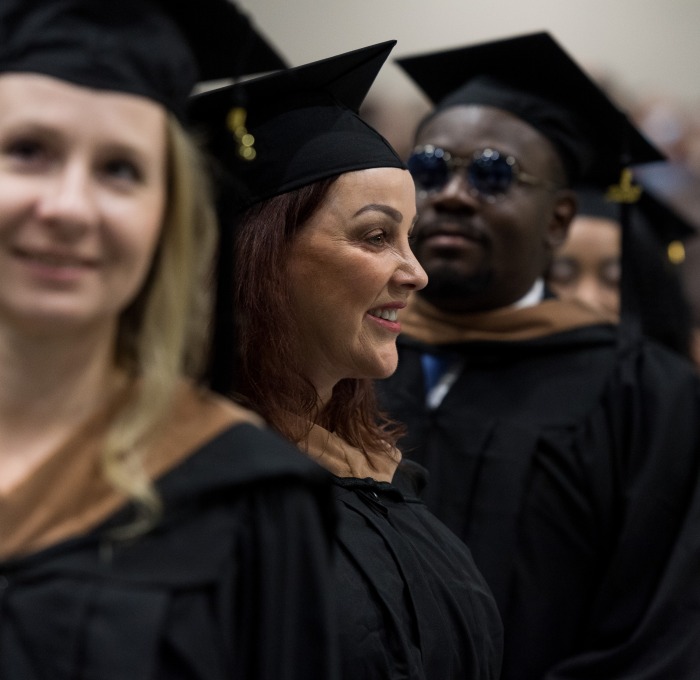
(381, 207)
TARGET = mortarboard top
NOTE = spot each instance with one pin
(532, 77)
(674, 192)
(304, 124)
(225, 41)
(157, 49)
(669, 227)
(663, 205)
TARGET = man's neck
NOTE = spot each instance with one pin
(533, 297)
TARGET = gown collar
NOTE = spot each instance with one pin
(68, 495)
(425, 322)
(344, 460)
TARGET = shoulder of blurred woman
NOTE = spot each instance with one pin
(199, 402)
(197, 415)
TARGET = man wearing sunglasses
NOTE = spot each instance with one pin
(563, 449)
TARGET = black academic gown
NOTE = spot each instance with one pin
(232, 583)
(411, 603)
(569, 465)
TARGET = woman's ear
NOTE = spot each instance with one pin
(563, 212)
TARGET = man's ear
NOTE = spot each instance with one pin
(563, 212)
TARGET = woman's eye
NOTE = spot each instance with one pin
(562, 271)
(26, 151)
(378, 239)
(611, 273)
(122, 170)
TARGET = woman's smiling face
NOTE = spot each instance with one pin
(82, 194)
(351, 270)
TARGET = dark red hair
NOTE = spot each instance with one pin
(269, 377)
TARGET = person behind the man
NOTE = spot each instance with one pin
(562, 448)
(587, 266)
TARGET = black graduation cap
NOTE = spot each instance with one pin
(302, 124)
(669, 228)
(225, 40)
(671, 199)
(154, 48)
(532, 77)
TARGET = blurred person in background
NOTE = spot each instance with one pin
(588, 265)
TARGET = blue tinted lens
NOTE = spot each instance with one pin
(490, 174)
(429, 169)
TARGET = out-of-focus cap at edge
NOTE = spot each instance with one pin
(671, 201)
(157, 49)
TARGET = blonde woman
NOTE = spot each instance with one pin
(148, 529)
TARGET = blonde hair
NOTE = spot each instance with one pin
(163, 334)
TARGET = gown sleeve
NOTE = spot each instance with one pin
(644, 619)
(284, 627)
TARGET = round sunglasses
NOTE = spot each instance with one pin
(489, 173)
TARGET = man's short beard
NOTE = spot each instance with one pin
(449, 289)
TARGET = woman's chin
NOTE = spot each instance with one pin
(385, 368)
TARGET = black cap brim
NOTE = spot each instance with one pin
(304, 121)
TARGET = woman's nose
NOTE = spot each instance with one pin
(69, 201)
(410, 273)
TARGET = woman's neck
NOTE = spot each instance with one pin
(49, 385)
(64, 368)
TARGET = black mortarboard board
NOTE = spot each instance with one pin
(153, 48)
(671, 197)
(670, 229)
(304, 122)
(532, 77)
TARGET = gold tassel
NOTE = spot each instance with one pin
(236, 124)
(626, 191)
